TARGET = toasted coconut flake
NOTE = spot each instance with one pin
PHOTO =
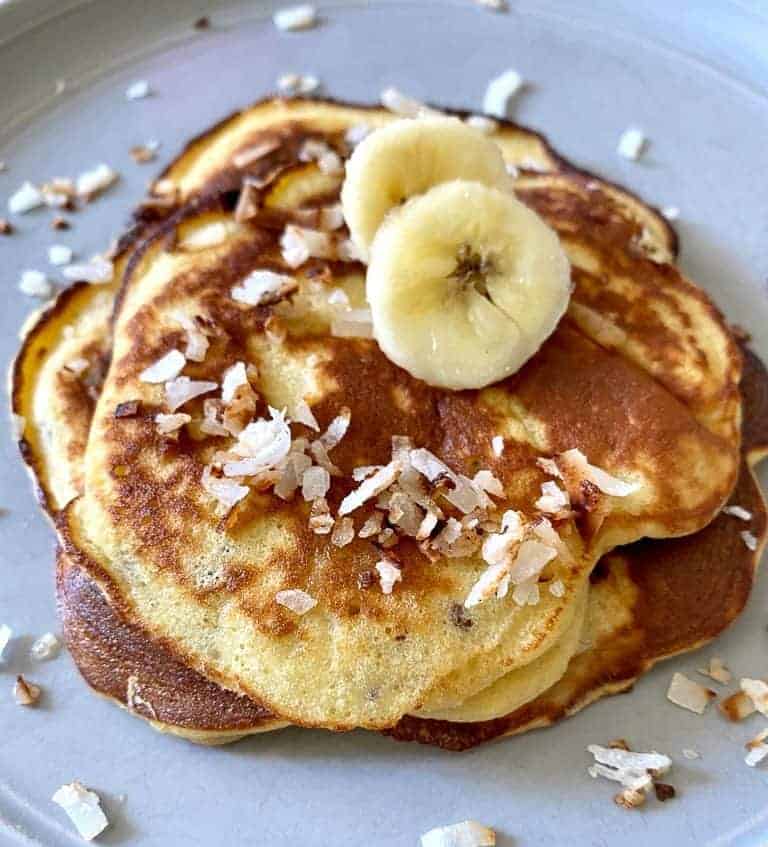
(364, 471)
(298, 245)
(183, 389)
(482, 124)
(737, 706)
(389, 574)
(407, 107)
(97, 271)
(202, 237)
(143, 153)
(574, 463)
(26, 198)
(557, 588)
(298, 601)
(227, 492)
(35, 284)
(138, 90)
(494, 581)
(632, 144)
(749, 539)
(320, 520)
(6, 227)
(757, 749)
(337, 429)
(689, 695)
(257, 151)
(127, 409)
(456, 540)
(500, 93)
(635, 771)
(90, 184)
(387, 538)
(357, 133)
(464, 834)
(757, 691)
(59, 254)
(263, 286)
(168, 424)
(372, 525)
(553, 499)
(629, 798)
(315, 483)
(295, 18)
(83, 809)
(527, 593)
(343, 532)
(45, 647)
(738, 512)
(297, 84)
(717, 671)
(134, 698)
(497, 445)
(211, 423)
(232, 379)
(370, 487)
(25, 693)
(164, 369)
(6, 633)
(197, 340)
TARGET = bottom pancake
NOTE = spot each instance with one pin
(648, 601)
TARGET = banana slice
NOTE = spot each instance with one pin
(408, 157)
(465, 283)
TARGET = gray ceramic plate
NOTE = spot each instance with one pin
(696, 86)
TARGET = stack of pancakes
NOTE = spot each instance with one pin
(169, 601)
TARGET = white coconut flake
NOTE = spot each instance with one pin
(226, 491)
(59, 254)
(688, 694)
(97, 271)
(298, 244)
(26, 198)
(94, 182)
(464, 834)
(292, 85)
(45, 647)
(83, 809)
(197, 340)
(183, 389)
(166, 368)
(738, 512)
(757, 691)
(328, 160)
(500, 92)
(298, 601)
(635, 771)
(497, 445)
(632, 144)
(557, 588)
(315, 483)
(167, 424)
(303, 414)
(717, 670)
(343, 532)
(35, 284)
(553, 499)
(138, 90)
(485, 480)
(294, 18)
(203, 237)
(6, 633)
(370, 487)
(337, 429)
(232, 379)
(577, 461)
(749, 539)
(266, 442)
(757, 749)
(263, 286)
(407, 107)
(389, 574)
(671, 213)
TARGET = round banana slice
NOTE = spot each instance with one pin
(408, 157)
(465, 283)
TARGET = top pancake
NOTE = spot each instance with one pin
(674, 426)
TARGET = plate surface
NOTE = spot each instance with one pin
(697, 84)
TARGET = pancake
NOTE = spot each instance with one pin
(607, 233)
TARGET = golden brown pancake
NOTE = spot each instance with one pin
(695, 383)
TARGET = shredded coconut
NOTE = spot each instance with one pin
(263, 286)
(265, 442)
(83, 809)
(232, 379)
(166, 368)
(35, 284)
(553, 499)
(688, 694)
(757, 749)
(197, 340)
(337, 429)
(94, 182)
(183, 389)
(464, 834)
(737, 512)
(500, 93)
(25, 693)
(26, 198)
(45, 647)
(389, 574)
(295, 18)
(632, 144)
(296, 600)
(557, 588)
(635, 771)
(690, 753)
(320, 520)
(575, 462)
(372, 525)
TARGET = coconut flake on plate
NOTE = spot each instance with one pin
(737, 512)
(263, 286)
(688, 694)
(138, 90)
(493, 5)
(25, 693)
(298, 244)
(320, 520)
(757, 691)
(169, 424)
(167, 367)
(294, 18)
(182, 389)
(292, 84)
(632, 144)
(737, 706)
(757, 748)
(96, 271)
(90, 184)
(26, 198)
(59, 254)
(407, 107)
(143, 153)
(464, 834)
(45, 647)
(6, 633)
(389, 574)
(500, 92)
(202, 237)
(35, 284)
(749, 539)
(717, 670)
(298, 601)
(635, 771)
(83, 809)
